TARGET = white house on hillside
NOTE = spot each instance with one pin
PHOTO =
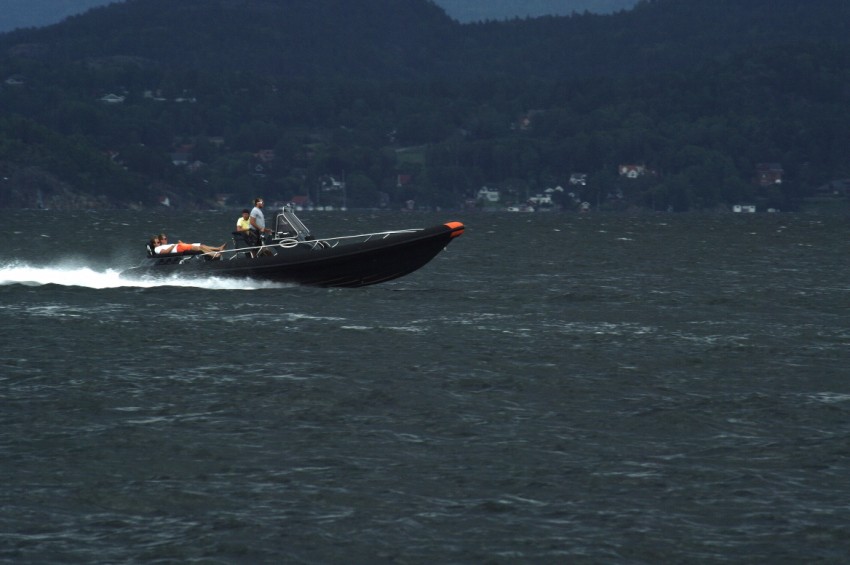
(488, 195)
(111, 99)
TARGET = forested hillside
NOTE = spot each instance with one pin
(214, 102)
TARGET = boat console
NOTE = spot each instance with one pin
(288, 225)
(288, 229)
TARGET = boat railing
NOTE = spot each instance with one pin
(282, 243)
(363, 237)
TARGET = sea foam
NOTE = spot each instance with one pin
(89, 277)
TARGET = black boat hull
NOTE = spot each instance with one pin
(338, 262)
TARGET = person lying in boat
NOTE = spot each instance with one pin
(162, 247)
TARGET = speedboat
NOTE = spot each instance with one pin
(293, 255)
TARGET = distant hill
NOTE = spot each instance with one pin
(201, 101)
(313, 38)
(467, 11)
(392, 39)
(40, 13)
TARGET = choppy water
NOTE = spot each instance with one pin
(551, 388)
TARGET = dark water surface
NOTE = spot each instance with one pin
(551, 388)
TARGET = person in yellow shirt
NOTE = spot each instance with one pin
(244, 237)
(243, 224)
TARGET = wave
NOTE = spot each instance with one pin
(90, 277)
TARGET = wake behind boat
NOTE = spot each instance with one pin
(293, 255)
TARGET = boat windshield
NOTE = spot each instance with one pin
(288, 224)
